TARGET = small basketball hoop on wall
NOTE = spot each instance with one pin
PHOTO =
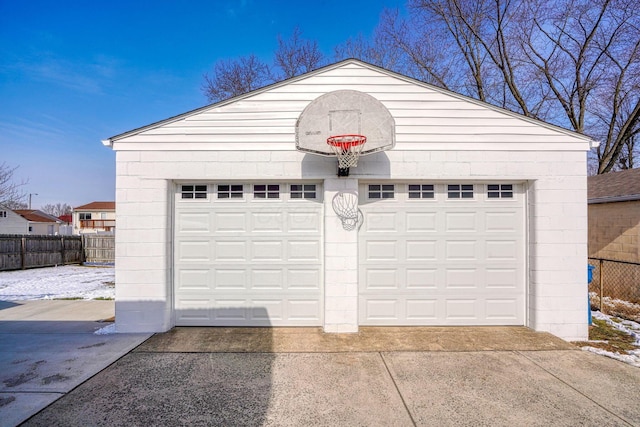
(345, 205)
(347, 149)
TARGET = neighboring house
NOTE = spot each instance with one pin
(28, 221)
(465, 214)
(614, 215)
(95, 217)
(66, 229)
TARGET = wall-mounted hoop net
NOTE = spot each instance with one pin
(345, 205)
(347, 149)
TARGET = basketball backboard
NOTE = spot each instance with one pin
(345, 112)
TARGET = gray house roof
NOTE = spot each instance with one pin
(614, 187)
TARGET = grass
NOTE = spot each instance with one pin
(69, 298)
(103, 299)
(603, 335)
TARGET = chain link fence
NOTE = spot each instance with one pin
(615, 288)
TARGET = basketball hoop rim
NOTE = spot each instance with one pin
(346, 141)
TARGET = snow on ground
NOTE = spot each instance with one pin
(69, 281)
(627, 326)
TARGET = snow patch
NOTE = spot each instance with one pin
(107, 330)
(627, 326)
(69, 281)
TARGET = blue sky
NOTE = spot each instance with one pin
(75, 72)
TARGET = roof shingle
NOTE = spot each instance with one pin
(614, 185)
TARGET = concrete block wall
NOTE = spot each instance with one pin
(614, 231)
(557, 223)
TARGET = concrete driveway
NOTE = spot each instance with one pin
(47, 348)
(381, 376)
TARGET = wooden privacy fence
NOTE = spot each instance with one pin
(99, 248)
(23, 251)
(26, 251)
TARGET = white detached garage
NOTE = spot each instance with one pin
(454, 213)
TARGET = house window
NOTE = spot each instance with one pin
(421, 191)
(30, 229)
(230, 191)
(500, 191)
(381, 191)
(306, 191)
(85, 216)
(266, 191)
(460, 191)
(3, 214)
(194, 191)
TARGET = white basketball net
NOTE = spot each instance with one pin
(347, 149)
(345, 205)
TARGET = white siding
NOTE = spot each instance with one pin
(13, 223)
(426, 118)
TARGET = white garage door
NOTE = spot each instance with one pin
(248, 254)
(442, 254)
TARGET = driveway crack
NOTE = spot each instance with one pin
(397, 389)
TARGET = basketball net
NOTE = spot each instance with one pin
(347, 149)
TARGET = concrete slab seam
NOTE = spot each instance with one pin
(573, 388)
(393, 380)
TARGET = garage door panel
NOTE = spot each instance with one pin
(194, 222)
(226, 278)
(507, 222)
(421, 250)
(501, 278)
(380, 222)
(304, 310)
(267, 279)
(267, 250)
(421, 309)
(307, 222)
(196, 279)
(229, 222)
(193, 311)
(379, 250)
(502, 309)
(379, 309)
(461, 222)
(303, 279)
(421, 222)
(461, 278)
(248, 262)
(456, 262)
(307, 250)
(189, 251)
(466, 250)
(267, 222)
(461, 309)
(382, 278)
(230, 250)
(503, 250)
(421, 278)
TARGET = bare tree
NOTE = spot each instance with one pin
(231, 78)
(57, 209)
(382, 50)
(297, 56)
(11, 194)
(588, 53)
(574, 63)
